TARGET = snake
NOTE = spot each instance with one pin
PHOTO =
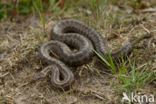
(72, 44)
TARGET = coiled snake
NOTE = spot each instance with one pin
(72, 44)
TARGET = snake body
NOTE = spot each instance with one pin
(73, 43)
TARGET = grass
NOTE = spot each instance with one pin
(135, 79)
(130, 79)
(108, 61)
(127, 76)
(43, 8)
(38, 6)
(26, 7)
(3, 100)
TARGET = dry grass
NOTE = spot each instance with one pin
(19, 60)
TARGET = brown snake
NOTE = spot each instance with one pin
(73, 43)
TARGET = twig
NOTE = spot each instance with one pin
(145, 29)
(148, 10)
(3, 75)
(150, 41)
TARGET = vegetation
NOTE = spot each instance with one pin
(130, 78)
(19, 43)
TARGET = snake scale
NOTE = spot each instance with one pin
(72, 45)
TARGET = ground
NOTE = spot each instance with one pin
(21, 38)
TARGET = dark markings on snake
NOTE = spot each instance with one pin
(73, 43)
